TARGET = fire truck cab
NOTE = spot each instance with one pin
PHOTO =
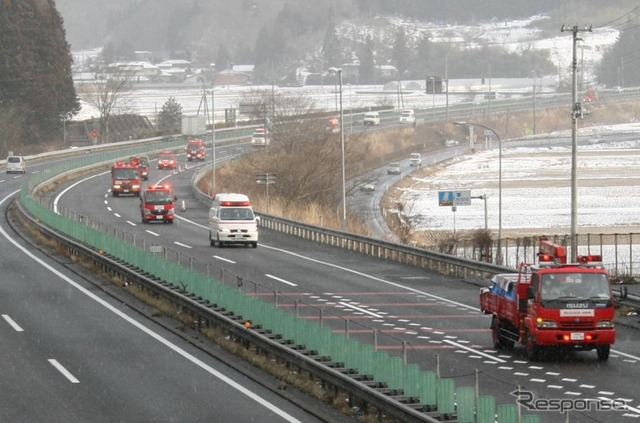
(167, 160)
(231, 221)
(158, 204)
(195, 150)
(552, 305)
(125, 179)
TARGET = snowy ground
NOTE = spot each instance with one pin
(511, 35)
(536, 190)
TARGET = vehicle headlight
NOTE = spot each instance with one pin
(135, 186)
(546, 324)
(604, 324)
(117, 186)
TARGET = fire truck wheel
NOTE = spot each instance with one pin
(495, 332)
(115, 194)
(254, 245)
(533, 350)
(603, 352)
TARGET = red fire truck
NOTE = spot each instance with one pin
(158, 204)
(553, 305)
(125, 179)
(195, 150)
(143, 165)
(167, 160)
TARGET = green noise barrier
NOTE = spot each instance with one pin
(407, 378)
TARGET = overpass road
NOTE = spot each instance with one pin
(431, 319)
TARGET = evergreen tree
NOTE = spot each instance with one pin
(367, 68)
(331, 53)
(223, 58)
(170, 117)
(35, 68)
(401, 53)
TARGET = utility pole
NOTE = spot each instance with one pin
(576, 113)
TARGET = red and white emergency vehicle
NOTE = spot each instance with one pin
(232, 221)
(125, 179)
(553, 305)
(332, 125)
(143, 165)
(195, 150)
(167, 160)
(158, 204)
(260, 137)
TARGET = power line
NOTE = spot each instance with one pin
(619, 17)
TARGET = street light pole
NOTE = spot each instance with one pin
(338, 71)
(213, 140)
(499, 245)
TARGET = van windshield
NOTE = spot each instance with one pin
(236, 213)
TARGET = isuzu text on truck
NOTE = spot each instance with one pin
(158, 204)
(125, 179)
(553, 305)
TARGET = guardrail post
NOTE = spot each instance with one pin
(375, 339)
(346, 328)
(404, 351)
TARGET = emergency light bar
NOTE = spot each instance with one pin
(235, 203)
(591, 260)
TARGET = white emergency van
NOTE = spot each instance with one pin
(232, 221)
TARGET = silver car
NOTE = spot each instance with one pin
(16, 164)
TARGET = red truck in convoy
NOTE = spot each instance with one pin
(195, 150)
(167, 160)
(158, 204)
(142, 162)
(552, 305)
(125, 179)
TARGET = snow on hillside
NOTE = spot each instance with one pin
(513, 35)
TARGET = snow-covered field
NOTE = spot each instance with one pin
(536, 190)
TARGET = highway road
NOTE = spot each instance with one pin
(431, 319)
(71, 352)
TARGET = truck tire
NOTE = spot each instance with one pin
(495, 332)
(533, 350)
(603, 352)
(211, 241)
(254, 245)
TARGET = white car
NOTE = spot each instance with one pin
(371, 118)
(394, 169)
(407, 116)
(415, 159)
(16, 164)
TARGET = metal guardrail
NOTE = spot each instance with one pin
(199, 291)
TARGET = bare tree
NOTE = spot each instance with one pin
(110, 96)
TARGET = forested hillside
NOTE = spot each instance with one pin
(280, 36)
(36, 87)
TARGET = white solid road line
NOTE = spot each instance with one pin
(204, 366)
